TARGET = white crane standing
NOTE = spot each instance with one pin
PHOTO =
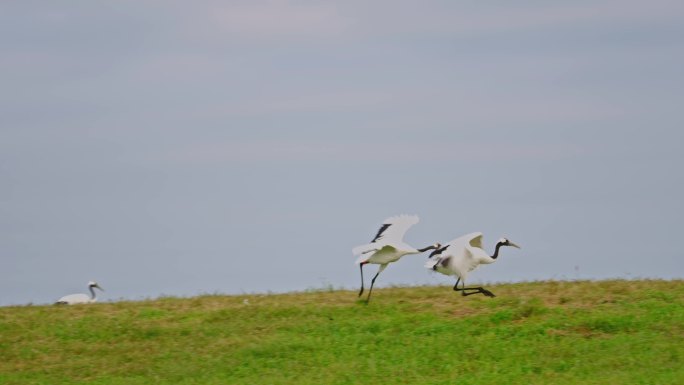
(463, 255)
(387, 246)
(73, 299)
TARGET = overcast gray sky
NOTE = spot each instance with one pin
(195, 147)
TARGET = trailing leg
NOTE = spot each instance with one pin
(382, 267)
(466, 291)
(478, 290)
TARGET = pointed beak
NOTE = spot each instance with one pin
(98, 286)
(433, 253)
(513, 244)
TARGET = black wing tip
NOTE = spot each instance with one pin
(439, 251)
(383, 228)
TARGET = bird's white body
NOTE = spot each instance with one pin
(74, 299)
(387, 254)
(462, 255)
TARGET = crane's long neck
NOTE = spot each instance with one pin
(93, 296)
(424, 249)
(496, 250)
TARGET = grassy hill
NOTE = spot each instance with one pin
(607, 332)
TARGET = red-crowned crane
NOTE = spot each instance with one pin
(463, 255)
(387, 246)
(73, 299)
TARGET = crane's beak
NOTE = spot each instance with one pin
(98, 286)
(513, 244)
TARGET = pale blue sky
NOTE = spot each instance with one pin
(180, 148)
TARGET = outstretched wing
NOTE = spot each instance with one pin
(474, 242)
(391, 231)
(394, 228)
(381, 231)
(460, 247)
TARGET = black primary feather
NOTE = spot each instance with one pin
(438, 251)
(382, 230)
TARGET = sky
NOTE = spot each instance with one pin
(184, 148)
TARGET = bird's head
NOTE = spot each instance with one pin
(506, 242)
(94, 284)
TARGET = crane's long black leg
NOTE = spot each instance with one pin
(456, 285)
(361, 267)
(480, 290)
(477, 290)
(382, 267)
(371, 288)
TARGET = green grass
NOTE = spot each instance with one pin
(606, 332)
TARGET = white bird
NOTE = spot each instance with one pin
(463, 255)
(73, 299)
(387, 246)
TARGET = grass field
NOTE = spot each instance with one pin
(606, 332)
